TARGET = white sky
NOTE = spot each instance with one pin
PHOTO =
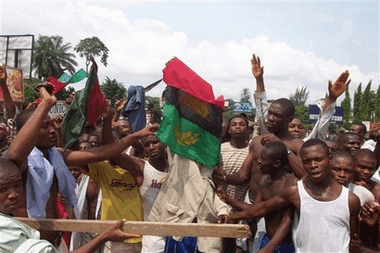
(300, 43)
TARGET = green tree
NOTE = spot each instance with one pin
(366, 103)
(300, 96)
(154, 100)
(92, 46)
(302, 112)
(30, 94)
(377, 105)
(51, 57)
(346, 104)
(357, 104)
(245, 95)
(113, 90)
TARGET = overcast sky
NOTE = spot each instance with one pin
(300, 43)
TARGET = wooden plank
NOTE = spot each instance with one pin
(144, 228)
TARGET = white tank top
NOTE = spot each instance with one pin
(323, 226)
(153, 179)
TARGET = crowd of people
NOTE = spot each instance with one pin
(297, 193)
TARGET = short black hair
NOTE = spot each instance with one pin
(315, 142)
(344, 154)
(278, 151)
(23, 117)
(343, 137)
(363, 128)
(287, 104)
(364, 152)
(6, 164)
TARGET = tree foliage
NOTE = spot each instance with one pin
(300, 96)
(302, 112)
(51, 57)
(366, 103)
(357, 104)
(92, 46)
(377, 105)
(245, 95)
(113, 90)
(346, 104)
(30, 94)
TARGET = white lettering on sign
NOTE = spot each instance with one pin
(58, 109)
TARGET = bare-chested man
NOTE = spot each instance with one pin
(273, 163)
(326, 212)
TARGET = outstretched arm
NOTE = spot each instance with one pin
(26, 138)
(108, 151)
(260, 209)
(259, 96)
(336, 89)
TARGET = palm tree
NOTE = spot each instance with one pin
(300, 96)
(51, 57)
(113, 90)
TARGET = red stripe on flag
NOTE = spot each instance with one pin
(95, 104)
(178, 75)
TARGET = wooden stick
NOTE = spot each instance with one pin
(144, 228)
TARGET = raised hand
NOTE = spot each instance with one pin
(119, 105)
(257, 70)
(106, 112)
(57, 121)
(339, 86)
(46, 92)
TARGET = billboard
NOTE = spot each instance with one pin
(314, 114)
(16, 51)
(15, 83)
(243, 107)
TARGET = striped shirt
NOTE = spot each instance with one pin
(233, 158)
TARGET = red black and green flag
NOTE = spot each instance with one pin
(192, 121)
(87, 105)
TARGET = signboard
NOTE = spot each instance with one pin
(16, 51)
(15, 83)
(314, 114)
(243, 107)
(58, 109)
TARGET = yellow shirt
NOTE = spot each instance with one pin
(120, 194)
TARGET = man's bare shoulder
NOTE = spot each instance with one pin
(255, 143)
(290, 190)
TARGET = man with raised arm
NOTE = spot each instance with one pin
(326, 212)
(33, 152)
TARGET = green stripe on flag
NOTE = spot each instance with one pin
(188, 139)
(64, 78)
(79, 76)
